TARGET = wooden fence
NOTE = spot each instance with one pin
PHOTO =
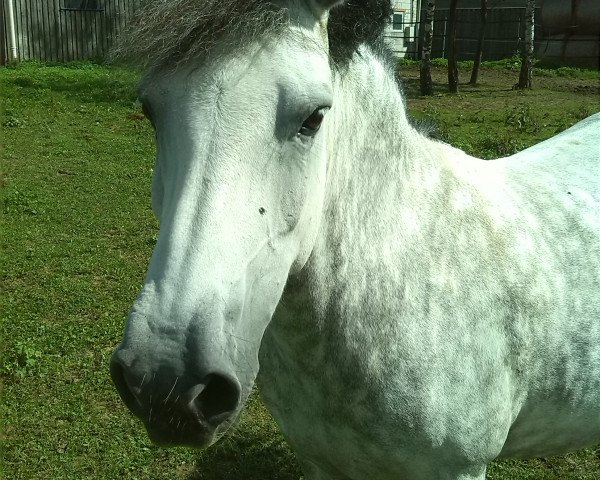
(575, 43)
(505, 27)
(64, 30)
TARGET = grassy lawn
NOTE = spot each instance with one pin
(491, 119)
(76, 235)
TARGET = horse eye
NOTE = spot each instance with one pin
(312, 124)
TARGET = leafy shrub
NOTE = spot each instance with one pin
(495, 146)
(21, 362)
(12, 122)
(18, 201)
(523, 119)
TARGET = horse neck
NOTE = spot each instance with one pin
(376, 158)
(378, 173)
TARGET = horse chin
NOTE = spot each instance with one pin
(194, 439)
(200, 437)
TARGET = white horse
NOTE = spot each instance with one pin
(415, 312)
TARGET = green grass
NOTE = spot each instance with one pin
(512, 63)
(491, 119)
(77, 232)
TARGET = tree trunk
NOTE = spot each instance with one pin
(479, 51)
(527, 51)
(2, 36)
(425, 72)
(452, 65)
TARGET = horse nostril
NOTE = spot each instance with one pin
(117, 373)
(218, 399)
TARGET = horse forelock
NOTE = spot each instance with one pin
(354, 23)
(165, 33)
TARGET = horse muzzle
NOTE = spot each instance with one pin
(174, 409)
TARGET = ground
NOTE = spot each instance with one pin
(77, 232)
(491, 119)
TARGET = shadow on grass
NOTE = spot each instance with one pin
(249, 458)
(254, 450)
(412, 87)
(579, 465)
(261, 457)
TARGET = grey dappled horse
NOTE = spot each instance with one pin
(415, 312)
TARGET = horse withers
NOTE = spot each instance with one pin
(408, 311)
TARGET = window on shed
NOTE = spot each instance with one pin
(85, 5)
(397, 21)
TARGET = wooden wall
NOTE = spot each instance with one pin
(504, 31)
(46, 30)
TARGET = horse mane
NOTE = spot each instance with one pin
(166, 33)
(357, 22)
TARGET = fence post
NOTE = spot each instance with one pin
(2, 36)
(12, 38)
(444, 37)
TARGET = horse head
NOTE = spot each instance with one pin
(238, 188)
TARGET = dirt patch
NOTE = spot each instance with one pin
(498, 80)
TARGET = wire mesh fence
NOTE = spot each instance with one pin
(504, 33)
(64, 30)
